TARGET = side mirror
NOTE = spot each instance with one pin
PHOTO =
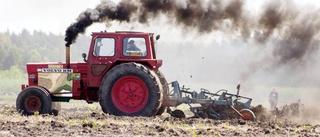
(84, 56)
(157, 37)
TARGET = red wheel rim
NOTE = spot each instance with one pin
(129, 94)
(33, 103)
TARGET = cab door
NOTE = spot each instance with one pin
(102, 58)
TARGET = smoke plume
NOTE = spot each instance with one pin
(204, 17)
(293, 32)
(104, 12)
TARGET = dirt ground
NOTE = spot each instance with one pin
(91, 121)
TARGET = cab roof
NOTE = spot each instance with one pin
(121, 32)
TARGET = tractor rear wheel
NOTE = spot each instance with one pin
(165, 88)
(33, 99)
(247, 114)
(130, 89)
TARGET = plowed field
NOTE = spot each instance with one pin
(91, 121)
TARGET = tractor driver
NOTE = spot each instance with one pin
(132, 47)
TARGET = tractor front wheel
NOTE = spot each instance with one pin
(33, 100)
(130, 89)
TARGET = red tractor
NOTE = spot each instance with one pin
(120, 71)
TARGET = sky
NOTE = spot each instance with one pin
(48, 16)
(196, 67)
(56, 15)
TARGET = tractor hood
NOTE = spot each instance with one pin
(54, 76)
(54, 67)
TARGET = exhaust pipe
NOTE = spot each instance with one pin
(68, 56)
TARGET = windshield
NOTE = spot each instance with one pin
(134, 46)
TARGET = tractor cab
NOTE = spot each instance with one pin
(109, 49)
(122, 44)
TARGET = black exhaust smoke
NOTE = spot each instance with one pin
(295, 30)
(188, 14)
(104, 12)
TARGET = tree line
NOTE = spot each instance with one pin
(16, 50)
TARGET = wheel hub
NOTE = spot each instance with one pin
(130, 94)
(33, 103)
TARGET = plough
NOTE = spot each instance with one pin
(220, 105)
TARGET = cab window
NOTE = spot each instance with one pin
(104, 47)
(134, 46)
